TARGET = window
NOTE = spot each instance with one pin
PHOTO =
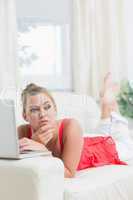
(44, 53)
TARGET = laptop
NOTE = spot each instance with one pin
(9, 141)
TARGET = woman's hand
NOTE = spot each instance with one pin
(28, 144)
(46, 131)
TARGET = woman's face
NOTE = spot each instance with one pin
(38, 108)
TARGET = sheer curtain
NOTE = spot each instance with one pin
(98, 43)
(8, 69)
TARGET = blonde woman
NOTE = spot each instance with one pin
(64, 137)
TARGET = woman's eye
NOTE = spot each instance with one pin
(47, 107)
(33, 110)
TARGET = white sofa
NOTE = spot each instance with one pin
(42, 178)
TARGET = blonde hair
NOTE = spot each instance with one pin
(33, 89)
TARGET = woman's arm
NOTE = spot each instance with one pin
(28, 144)
(72, 147)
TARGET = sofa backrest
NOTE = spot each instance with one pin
(81, 107)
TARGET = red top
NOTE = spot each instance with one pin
(30, 133)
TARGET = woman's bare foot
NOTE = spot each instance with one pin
(108, 96)
(108, 84)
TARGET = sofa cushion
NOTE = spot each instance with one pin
(102, 183)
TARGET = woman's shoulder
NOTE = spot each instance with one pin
(68, 122)
(23, 130)
(69, 126)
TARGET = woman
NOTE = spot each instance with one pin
(64, 137)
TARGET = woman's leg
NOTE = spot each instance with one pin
(108, 105)
(108, 100)
(112, 123)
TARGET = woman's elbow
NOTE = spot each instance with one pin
(69, 173)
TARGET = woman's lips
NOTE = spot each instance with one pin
(43, 121)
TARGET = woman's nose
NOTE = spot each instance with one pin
(42, 113)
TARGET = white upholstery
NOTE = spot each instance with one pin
(35, 178)
(102, 183)
(81, 107)
(42, 178)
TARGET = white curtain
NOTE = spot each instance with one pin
(98, 43)
(8, 69)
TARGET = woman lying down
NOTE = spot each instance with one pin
(64, 137)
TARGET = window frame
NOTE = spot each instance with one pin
(54, 82)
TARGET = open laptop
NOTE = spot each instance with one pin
(9, 142)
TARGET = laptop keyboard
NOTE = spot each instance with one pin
(29, 151)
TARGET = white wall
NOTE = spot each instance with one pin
(56, 11)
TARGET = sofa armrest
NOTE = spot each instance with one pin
(35, 178)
